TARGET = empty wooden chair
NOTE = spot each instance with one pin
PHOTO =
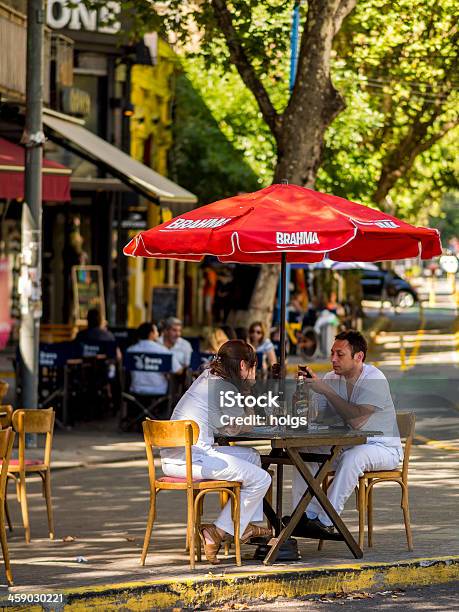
(185, 434)
(6, 445)
(40, 422)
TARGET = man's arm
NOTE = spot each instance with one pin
(356, 415)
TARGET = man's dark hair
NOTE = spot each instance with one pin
(144, 330)
(94, 318)
(356, 340)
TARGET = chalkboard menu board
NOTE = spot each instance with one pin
(88, 291)
(164, 302)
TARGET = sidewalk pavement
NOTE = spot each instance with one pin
(103, 508)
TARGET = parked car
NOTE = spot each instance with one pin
(385, 284)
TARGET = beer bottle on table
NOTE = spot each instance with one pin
(300, 399)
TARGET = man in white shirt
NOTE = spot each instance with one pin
(357, 395)
(150, 383)
(171, 338)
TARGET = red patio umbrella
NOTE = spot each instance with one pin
(285, 224)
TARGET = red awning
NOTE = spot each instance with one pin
(56, 178)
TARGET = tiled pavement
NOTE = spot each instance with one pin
(104, 507)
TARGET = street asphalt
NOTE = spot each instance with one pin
(427, 599)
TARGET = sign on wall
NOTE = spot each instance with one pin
(164, 302)
(60, 16)
(88, 291)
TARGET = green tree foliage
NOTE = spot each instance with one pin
(447, 220)
(398, 65)
(233, 108)
(202, 158)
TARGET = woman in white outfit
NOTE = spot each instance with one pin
(232, 370)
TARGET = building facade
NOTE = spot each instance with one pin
(105, 101)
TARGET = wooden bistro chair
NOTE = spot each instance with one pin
(39, 421)
(4, 386)
(6, 446)
(6, 415)
(176, 434)
(406, 423)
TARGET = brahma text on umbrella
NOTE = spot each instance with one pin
(296, 238)
(197, 223)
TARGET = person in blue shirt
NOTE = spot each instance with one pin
(150, 383)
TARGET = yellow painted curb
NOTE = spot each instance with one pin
(264, 584)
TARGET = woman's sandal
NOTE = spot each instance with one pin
(211, 550)
(254, 531)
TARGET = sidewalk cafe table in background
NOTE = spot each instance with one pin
(286, 449)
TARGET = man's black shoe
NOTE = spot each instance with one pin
(318, 525)
(303, 523)
(309, 528)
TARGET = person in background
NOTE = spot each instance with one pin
(334, 306)
(314, 308)
(223, 295)
(171, 338)
(209, 290)
(96, 331)
(261, 343)
(213, 338)
(242, 333)
(308, 343)
(150, 383)
(230, 332)
(295, 309)
(332, 303)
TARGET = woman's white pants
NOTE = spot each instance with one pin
(235, 463)
(348, 466)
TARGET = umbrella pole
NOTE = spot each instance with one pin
(283, 312)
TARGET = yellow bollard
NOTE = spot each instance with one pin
(402, 355)
(432, 295)
(452, 282)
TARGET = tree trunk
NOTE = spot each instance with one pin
(263, 296)
(313, 105)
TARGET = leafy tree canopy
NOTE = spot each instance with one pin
(395, 64)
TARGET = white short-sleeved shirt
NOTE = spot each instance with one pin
(200, 404)
(151, 383)
(371, 388)
(182, 349)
